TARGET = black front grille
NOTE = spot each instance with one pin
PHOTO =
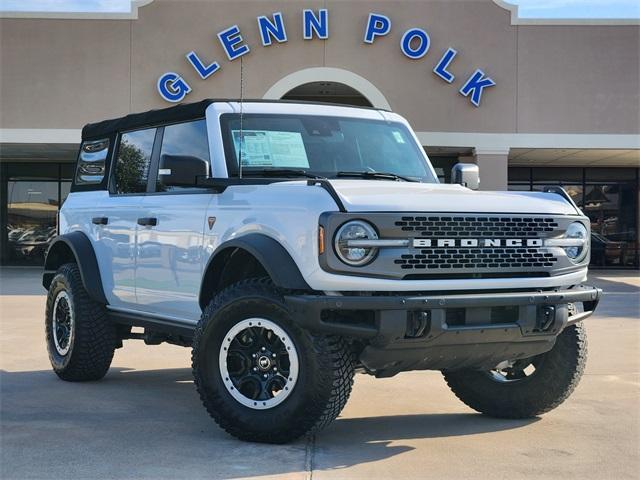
(476, 258)
(477, 226)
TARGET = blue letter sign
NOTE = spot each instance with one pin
(423, 43)
(441, 67)
(172, 87)
(269, 29)
(231, 41)
(377, 26)
(205, 71)
(311, 23)
(474, 86)
(414, 44)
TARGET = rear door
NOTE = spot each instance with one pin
(116, 225)
(170, 254)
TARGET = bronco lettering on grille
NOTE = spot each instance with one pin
(476, 242)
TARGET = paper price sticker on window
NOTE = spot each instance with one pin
(267, 148)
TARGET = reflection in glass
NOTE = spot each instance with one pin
(611, 209)
(184, 156)
(92, 162)
(134, 157)
(31, 220)
(608, 196)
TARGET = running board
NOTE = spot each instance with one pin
(153, 323)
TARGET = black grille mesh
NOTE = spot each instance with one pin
(463, 258)
(475, 227)
(460, 258)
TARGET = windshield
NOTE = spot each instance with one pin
(323, 146)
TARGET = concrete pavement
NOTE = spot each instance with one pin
(144, 420)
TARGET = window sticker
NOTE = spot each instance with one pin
(398, 136)
(268, 148)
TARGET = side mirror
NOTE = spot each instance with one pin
(181, 170)
(466, 174)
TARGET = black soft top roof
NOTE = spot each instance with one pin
(175, 114)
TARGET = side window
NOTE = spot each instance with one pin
(91, 162)
(184, 156)
(132, 162)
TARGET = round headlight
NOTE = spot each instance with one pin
(355, 256)
(579, 231)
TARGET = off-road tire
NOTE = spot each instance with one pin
(549, 386)
(324, 382)
(94, 336)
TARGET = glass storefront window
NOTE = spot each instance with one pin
(613, 223)
(31, 195)
(443, 166)
(608, 196)
(32, 208)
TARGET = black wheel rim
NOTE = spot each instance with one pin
(258, 363)
(62, 323)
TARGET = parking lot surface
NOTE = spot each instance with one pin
(145, 420)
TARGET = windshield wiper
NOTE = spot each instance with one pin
(380, 175)
(280, 172)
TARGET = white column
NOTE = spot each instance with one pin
(493, 165)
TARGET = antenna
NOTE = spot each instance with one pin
(241, 114)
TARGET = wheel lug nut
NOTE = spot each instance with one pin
(265, 375)
(275, 369)
(255, 369)
(253, 355)
(273, 355)
(263, 349)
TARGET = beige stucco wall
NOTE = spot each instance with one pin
(578, 79)
(560, 79)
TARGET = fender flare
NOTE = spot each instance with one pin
(82, 249)
(269, 252)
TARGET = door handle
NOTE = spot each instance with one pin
(100, 220)
(148, 221)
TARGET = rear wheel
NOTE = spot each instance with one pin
(260, 376)
(525, 388)
(80, 338)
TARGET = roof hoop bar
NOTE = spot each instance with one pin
(326, 184)
(563, 193)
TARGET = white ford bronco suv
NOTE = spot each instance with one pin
(293, 244)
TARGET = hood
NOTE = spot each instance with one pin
(389, 196)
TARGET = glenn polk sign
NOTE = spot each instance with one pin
(414, 44)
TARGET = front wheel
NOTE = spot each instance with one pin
(525, 388)
(260, 376)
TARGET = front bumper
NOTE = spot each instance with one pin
(473, 330)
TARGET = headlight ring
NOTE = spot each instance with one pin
(578, 231)
(355, 230)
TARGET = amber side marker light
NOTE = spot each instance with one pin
(320, 240)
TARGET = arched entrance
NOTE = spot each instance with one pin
(328, 84)
(329, 92)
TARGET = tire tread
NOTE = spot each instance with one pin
(95, 337)
(563, 368)
(337, 364)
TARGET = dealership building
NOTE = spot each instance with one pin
(531, 102)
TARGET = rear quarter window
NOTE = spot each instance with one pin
(92, 162)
